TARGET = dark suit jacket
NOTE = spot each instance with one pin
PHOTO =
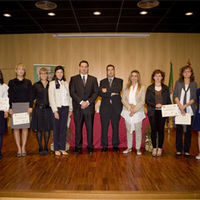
(78, 92)
(116, 87)
(150, 98)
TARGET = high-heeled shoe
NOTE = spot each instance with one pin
(127, 151)
(64, 153)
(154, 152)
(139, 153)
(159, 152)
(57, 153)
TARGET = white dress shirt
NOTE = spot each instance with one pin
(188, 109)
(138, 116)
(4, 95)
(63, 94)
(86, 76)
(3, 90)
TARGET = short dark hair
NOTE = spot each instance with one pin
(83, 61)
(158, 71)
(56, 69)
(181, 78)
(110, 65)
(1, 77)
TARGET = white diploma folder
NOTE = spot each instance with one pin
(4, 104)
(170, 110)
(20, 117)
(183, 119)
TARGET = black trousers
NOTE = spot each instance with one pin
(81, 116)
(187, 138)
(112, 116)
(1, 141)
(60, 129)
(157, 123)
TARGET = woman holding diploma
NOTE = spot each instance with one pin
(157, 95)
(185, 97)
(61, 105)
(133, 99)
(42, 117)
(20, 92)
(3, 112)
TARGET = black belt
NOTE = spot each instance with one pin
(42, 106)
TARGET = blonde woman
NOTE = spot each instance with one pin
(20, 92)
(133, 99)
(42, 118)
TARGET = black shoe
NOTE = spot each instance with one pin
(187, 155)
(90, 151)
(41, 151)
(178, 154)
(1, 156)
(76, 150)
(45, 151)
(104, 149)
(115, 149)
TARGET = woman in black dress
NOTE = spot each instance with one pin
(3, 113)
(20, 92)
(42, 118)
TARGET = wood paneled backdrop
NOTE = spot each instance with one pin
(143, 54)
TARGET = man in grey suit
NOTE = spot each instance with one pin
(84, 91)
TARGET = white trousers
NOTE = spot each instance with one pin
(138, 135)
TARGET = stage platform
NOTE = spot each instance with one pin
(106, 176)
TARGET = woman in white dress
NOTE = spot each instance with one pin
(133, 99)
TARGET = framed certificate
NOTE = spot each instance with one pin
(4, 104)
(183, 119)
(170, 110)
(20, 117)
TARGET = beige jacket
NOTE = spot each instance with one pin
(140, 99)
(55, 96)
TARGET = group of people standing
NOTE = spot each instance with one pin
(56, 100)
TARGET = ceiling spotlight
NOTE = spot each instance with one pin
(46, 5)
(96, 13)
(189, 13)
(51, 14)
(7, 15)
(147, 4)
(144, 12)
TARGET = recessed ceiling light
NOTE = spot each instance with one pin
(144, 12)
(7, 15)
(96, 13)
(51, 14)
(189, 13)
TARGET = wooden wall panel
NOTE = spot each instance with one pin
(143, 54)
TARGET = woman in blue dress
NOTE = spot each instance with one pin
(196, 124)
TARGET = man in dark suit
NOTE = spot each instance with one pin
(84, 91)
(110, 108)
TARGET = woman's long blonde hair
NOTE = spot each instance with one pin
(129, 80)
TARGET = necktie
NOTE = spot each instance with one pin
(184, 102)
(185, 95)
(110, 81)
(84, 80)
